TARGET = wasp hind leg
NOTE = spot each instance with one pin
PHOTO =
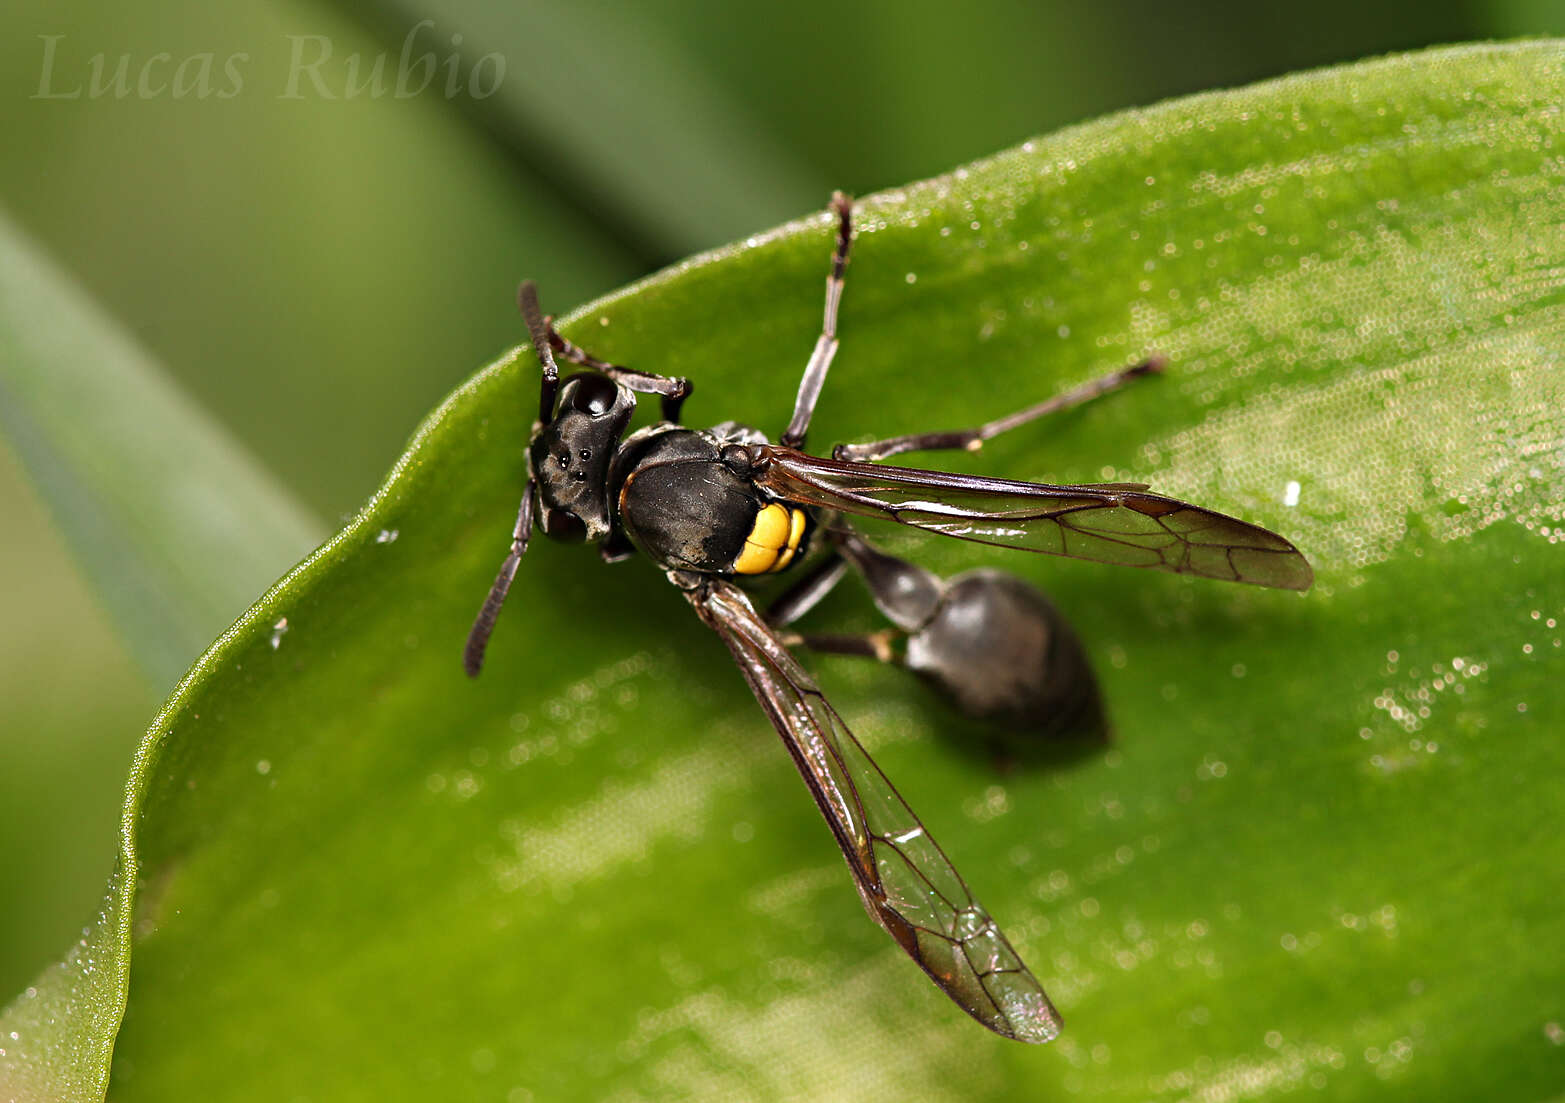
(806, 593)
(973, 439)
(987, 641)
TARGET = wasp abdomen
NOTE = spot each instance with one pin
(998, 649)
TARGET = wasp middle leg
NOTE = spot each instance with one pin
(988, 642)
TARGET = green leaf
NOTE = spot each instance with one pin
(1320, 853)
(173, 523)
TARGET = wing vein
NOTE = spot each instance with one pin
(1121, 524)
(904, 879)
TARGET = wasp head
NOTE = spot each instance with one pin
(570, 456)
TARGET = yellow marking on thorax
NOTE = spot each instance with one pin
(773, 541)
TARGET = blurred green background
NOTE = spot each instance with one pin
(317, 268)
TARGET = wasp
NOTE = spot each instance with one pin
(713, 507)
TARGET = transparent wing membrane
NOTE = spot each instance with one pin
(1118, 523)
(906, 882)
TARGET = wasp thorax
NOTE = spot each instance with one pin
(686, 507)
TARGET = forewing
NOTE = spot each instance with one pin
(1119, 523)
(904, 879)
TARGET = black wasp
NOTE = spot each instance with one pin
(710, 506)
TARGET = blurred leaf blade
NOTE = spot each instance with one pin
(1307, 861)
(172, 521)
(684, 169)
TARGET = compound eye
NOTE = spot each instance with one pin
(594, 395)
(559, 524)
